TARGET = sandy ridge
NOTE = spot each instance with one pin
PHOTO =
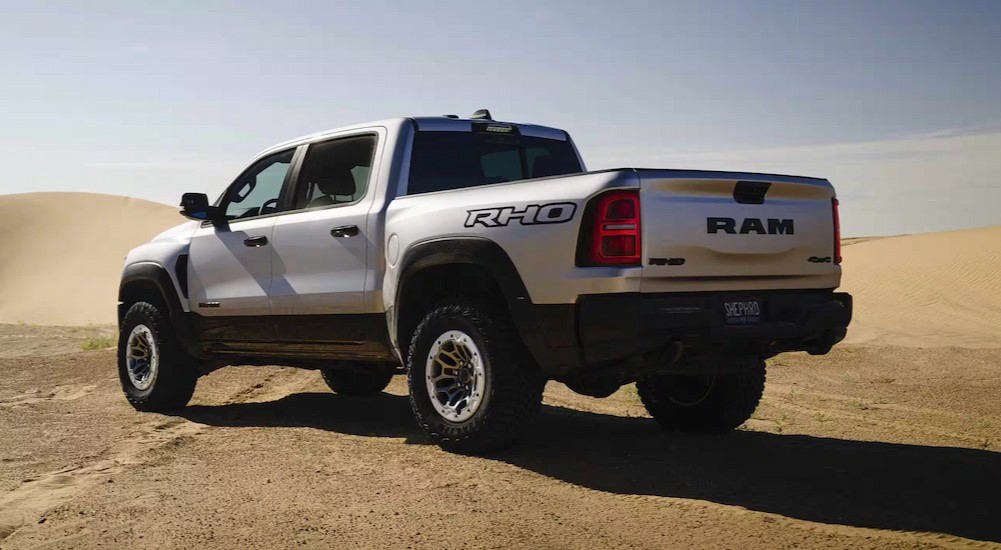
(62, 253)
(927, 290)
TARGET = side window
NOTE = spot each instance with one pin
(257, 191)
(335, 172)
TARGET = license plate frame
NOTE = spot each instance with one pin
(742, 311)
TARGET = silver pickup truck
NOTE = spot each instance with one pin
(481, 259)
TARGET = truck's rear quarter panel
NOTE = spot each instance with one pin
(543, 253)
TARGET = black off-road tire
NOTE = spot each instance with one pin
(514, 384)
(176, 373)
(346, 379)
(729, 401)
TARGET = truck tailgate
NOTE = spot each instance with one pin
(708, 231)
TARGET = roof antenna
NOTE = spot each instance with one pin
(482, 114)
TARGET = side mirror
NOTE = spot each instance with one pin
(196, 206)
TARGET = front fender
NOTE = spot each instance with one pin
(139, 279)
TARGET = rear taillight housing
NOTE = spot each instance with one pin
(610, 231)
(837, 231)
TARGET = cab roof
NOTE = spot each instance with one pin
(423, 124)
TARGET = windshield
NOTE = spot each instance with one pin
(454, 160)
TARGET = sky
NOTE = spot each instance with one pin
(898, 103)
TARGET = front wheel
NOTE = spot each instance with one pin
(473, 386)
(705, 404)
(155, 372)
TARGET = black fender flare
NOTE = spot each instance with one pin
(491, 256)
(149, 273)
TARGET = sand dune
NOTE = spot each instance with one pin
(61, 254)
(930, 290)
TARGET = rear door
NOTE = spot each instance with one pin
(229, 267)
(709, 231)
(320, 250)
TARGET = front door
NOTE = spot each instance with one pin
(229, 267)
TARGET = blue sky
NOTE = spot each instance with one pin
(898, 103)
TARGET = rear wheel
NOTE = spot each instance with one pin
(155, 373)
(473, 386)
(712, 403)
(347, 379)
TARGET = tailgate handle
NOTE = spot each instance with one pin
(750, 192)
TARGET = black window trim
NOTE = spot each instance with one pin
(297, 184)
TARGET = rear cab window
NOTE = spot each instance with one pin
(444, 160)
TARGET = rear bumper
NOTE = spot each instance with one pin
(637, 330)
(620, 326)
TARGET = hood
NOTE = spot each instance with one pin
(180, 232)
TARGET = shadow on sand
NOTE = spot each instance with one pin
(856, 483)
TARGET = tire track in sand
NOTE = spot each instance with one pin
(69, 392)
(34, 497)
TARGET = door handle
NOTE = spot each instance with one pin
(256, 242)
(344, 231)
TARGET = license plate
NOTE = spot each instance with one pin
(742, 312)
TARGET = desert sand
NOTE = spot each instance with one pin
(891, 441)
(62, 254)
(930, 290)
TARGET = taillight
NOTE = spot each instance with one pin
(610, 231)
(837, 231)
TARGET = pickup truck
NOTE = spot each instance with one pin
(479, 258)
